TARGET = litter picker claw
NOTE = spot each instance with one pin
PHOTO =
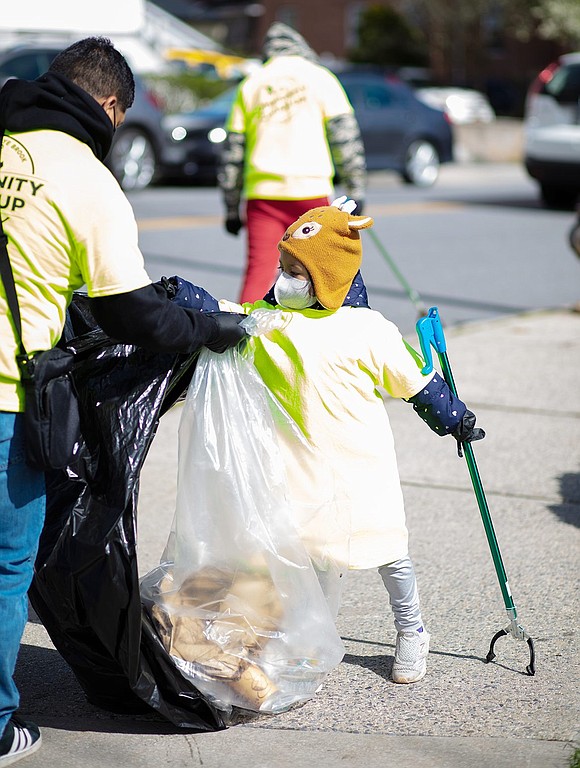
(430, 332)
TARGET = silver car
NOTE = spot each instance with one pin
(552, 131)
(138, 153)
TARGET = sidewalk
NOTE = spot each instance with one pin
(520, 376)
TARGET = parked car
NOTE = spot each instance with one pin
(574, 236)
(463, 106)
(552, 131)
(400, 132)
(137, 154)
(197, 138)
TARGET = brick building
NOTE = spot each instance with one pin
(480, 55)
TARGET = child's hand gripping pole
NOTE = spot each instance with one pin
(430, 332)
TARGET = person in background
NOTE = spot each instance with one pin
(290, 130)
(67, 225)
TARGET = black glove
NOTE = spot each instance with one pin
(233, 223)
(467, 432)
(228, 332)
(169, 285)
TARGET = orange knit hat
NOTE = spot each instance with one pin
(327, 242)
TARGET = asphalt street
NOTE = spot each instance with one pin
(478, 244)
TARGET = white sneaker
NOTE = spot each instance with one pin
(410, 656)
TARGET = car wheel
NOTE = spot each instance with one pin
(574, 237)
(132, 159)
(556, 196)
(421, 164)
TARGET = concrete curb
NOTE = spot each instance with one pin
(501, 141)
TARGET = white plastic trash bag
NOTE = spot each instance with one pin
(235, 600)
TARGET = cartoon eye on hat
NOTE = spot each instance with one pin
(307, 230)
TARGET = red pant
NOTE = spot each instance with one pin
(266, 222)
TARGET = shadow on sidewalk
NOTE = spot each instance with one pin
(51, 696)
(569, 510)
(382, 665)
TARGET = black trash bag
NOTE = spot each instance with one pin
(86, 584)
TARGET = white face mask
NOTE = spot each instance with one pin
(293, 293)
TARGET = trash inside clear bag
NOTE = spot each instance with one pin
(236, 600)
(263, 321)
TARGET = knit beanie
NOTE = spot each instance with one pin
(282, 40)
(327, 242)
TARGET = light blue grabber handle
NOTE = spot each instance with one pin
(430, 333)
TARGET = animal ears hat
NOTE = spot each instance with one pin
(327, 242)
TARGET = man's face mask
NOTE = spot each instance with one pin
(293, 293)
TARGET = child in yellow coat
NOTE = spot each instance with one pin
(326, 363)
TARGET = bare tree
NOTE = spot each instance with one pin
(461, 32)
(558, 20)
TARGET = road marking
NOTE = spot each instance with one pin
(397, 209)
(388, 209)
(179, 222)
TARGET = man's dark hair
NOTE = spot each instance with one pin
(97, 67)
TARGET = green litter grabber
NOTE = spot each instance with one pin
(430, 332)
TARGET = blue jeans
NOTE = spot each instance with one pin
(22, 509)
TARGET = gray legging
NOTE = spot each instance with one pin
(401, 584)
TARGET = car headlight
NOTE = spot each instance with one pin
(458, 109)
(217, 135)
(178, 133)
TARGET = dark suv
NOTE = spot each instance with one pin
(399, 131)
(138, 151)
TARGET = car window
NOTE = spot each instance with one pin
(565, 85)
(225, 99)
(354, 93)
(24, 67)
(373, 96)
(27, 66)
(367, 96)
(217, 107)
(376, 97)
